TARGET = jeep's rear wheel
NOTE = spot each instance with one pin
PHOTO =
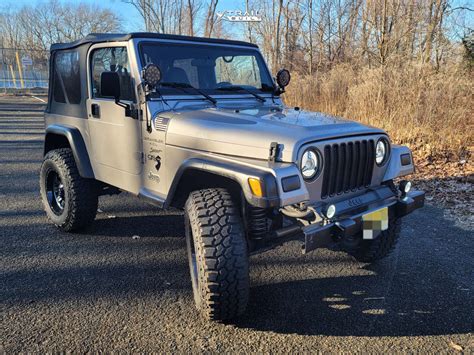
(69, 200)
(369, 251)
(217, 252)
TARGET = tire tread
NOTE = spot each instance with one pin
(221, 247)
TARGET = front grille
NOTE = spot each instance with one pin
(347, 167)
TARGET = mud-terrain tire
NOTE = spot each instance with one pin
(69, 200)
(217, 253)
(369, 251)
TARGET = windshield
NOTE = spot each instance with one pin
(212, 69)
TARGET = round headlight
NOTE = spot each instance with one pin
(309, 164)
(380, 152)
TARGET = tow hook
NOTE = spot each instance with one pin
(347, 226)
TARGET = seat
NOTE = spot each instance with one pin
(176, 75)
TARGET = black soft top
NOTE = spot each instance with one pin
(116, 37)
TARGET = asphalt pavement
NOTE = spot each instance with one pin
(105, 289)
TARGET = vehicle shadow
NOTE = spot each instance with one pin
(101, 261)
(155, 226)
(341, 306)
(112, 281)
(424, 288)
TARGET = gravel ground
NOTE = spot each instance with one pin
(104, 290)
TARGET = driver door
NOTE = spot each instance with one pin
(115, 138)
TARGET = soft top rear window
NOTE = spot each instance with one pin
(66, 77)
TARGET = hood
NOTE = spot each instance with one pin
(249, 132)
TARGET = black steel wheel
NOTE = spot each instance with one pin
(55, 192)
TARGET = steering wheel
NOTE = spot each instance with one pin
(223, 84)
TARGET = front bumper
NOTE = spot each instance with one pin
(348, 221)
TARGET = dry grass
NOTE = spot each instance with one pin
(432, 112)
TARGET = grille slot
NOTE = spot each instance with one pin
(347, 167)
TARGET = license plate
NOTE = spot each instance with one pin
(374, 223)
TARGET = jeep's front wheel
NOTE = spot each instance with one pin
(217, 252)
(69, 200)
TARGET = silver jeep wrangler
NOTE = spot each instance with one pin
(198, 124)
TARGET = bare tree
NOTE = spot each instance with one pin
(304, 35)
(164, 16)
(34, 28)
(210, 18)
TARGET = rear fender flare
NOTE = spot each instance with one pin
(76, 143)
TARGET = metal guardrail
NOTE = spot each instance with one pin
(10, 83)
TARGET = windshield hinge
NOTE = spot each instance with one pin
(274, 151)
(133, 111)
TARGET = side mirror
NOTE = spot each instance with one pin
(151, 75)
(110, 85)
(283, 78)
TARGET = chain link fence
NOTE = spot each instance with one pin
(23, 69)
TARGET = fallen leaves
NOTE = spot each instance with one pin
(448, 184)
(455, 346)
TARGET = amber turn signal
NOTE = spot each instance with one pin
(256, 187)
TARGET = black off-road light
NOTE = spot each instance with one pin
(283, 78)
(151, 75)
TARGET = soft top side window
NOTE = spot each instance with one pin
(66, 78)
(111, 59)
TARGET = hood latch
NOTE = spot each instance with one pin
(274, 151)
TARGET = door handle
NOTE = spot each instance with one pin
(95, 110)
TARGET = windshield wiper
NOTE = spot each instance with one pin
(189, 86)
(240, 88)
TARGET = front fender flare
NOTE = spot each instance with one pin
(236, 172)
(78, 147)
